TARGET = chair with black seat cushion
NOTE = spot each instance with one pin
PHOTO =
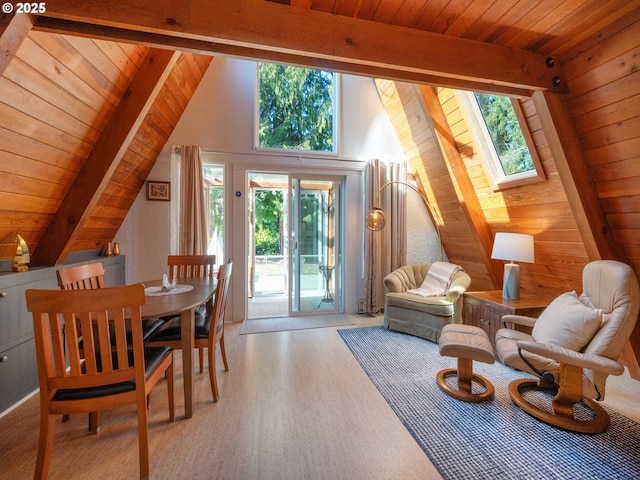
(111, 372)
(573, 347)
(208, 333)
(192, 266)
(90, 276)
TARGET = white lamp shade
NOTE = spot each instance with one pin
(516, 247)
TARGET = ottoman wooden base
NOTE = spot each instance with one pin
(466, 343)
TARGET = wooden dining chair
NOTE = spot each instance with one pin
(86, 277)
(207, 334)
(111, 372)
(193, 266)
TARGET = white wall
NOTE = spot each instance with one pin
(219, 118)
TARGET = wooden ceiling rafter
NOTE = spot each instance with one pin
(272, 31)
(462, 184)
(99, 167)
(13, 30)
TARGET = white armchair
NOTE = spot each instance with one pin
(422, 316)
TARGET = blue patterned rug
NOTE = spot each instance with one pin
(489, 440)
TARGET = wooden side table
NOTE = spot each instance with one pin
(485, 309)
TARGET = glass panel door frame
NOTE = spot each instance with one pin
(315, 244)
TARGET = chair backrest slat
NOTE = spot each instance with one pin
(191, 266)
(81, 277)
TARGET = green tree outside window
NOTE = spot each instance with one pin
(506, 135)
(296, 109)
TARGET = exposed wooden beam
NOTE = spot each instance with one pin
(278, 29)
(13, 30)
(574, 173)
(105, 157)
(462, 183)
(56, 25)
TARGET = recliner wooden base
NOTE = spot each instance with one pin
(562, 407)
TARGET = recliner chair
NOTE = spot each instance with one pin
(574, 347)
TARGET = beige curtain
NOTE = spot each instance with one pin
(194, 207)
(397, 216)
(384, 250)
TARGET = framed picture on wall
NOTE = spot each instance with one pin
(158, 190)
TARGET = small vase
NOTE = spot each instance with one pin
(116, 249)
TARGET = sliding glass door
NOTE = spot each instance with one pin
(294, 245)
(314, 245)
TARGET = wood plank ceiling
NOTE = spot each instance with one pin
(82, 122)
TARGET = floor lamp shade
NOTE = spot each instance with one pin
(514, 247)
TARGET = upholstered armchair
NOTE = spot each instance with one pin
(422, 316)
(573, 347)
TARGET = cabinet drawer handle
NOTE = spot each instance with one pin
(3, 295)
(4, 358)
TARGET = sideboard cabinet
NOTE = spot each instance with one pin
(18, 367)
(486, 309)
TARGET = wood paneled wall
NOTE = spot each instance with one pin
(604, 101)
(540, 209)
(57, 94)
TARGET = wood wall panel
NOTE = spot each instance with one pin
(132, 171)
(540, 209)
(604, 101)
(56, 97)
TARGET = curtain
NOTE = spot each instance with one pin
(397, 216)
(384, 250)
(194, 207)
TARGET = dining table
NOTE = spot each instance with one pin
(182, 299)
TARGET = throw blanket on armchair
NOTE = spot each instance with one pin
(437, 281)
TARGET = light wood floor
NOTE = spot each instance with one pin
(294, 405)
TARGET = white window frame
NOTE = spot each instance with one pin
(336, 119)
(485, 144)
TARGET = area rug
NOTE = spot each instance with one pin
(489, 440)
(280, 324)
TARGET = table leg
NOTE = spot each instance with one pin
(187, 332)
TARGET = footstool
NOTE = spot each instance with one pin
(467, 343)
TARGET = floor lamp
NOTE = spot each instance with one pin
(376, 219)
(512, 247)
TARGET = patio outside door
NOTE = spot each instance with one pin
(314, 245)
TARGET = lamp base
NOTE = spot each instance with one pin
(511, 284)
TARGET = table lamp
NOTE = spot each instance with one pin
(512, 247)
